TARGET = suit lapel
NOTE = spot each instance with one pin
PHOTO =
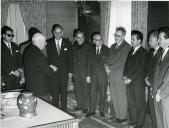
(166, 58)
(6, 49)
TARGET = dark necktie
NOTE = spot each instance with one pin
(9, 46)
(117, 46)
(152, 52)
(97, 52)
(58, 47)
(160, 60)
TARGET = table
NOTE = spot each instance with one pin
(48, 116)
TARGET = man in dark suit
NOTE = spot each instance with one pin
(11, 67)
(152, 59)
(115, 62)
(36, 67)
(160, 72)
(96, 74)
(80, 52)
(133, 75)
(60, 56)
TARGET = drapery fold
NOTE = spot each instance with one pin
(34, 15)
(104, 19)
(4, 13)
(139, 18)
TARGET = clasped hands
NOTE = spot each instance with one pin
(107, 68)
(54, 68)
(157, 96)
(126, 80)
(16, 73)
(147, 81)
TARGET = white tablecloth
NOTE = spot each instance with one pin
(46, 113)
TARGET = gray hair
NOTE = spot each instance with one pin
(38, 38)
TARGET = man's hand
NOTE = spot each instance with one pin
(17, 73)
(88, 80)
(53, 68)
(127, 80)
(158, 98)
(107, 69)
(70, 75)
(147, 81)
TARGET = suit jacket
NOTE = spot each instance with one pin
(152, 61)
(160, 72)
(9, 62)
(64, 61)
(95, 63)
(80, 59)
(164, 87)
(37, 71)
(135, 66)
(117, 58)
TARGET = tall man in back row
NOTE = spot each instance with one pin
(115, 64)
(60, 56)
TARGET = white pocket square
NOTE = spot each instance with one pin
(65, 49)
(16, 51)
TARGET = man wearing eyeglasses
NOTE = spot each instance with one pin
(96, 74)
(11, 60)
(115, 65)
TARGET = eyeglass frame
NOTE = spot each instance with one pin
(9, 35)
(118, 36)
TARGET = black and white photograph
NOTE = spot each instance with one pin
(84, 64)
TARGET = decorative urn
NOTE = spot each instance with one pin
(27, 103)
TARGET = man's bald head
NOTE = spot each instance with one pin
(39, 40)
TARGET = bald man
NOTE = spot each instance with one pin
(37, 70)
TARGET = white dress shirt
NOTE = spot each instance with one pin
(135, 49)
(155, 50)
(60, 43)
(97, 49)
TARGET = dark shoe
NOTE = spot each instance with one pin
(121, 120)
(102, 114)
(117, 120)
(77, 109)
(90, 114)
(85, 111)
(131, 126)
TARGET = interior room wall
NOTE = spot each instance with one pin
(63, 13)
(158, 14)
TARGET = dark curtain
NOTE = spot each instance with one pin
(34, 15)
(104, 19)
(139, 18)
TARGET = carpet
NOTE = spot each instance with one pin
(96, 121)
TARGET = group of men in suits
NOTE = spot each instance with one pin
(49, 63)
